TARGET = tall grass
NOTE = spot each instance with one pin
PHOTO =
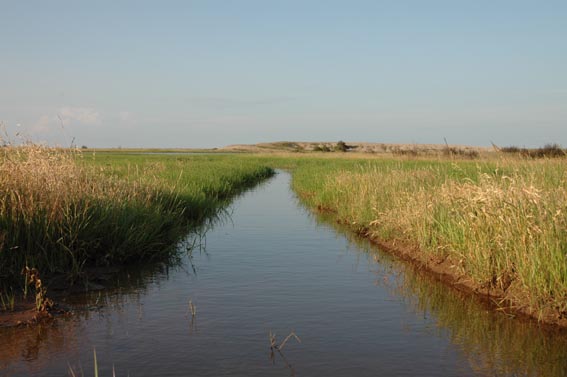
(502, 224)
(61, 211)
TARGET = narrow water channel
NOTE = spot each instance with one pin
(273, 267)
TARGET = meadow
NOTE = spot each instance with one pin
(497, 224)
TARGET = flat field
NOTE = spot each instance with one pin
(496, 225)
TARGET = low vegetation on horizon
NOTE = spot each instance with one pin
(410, 150)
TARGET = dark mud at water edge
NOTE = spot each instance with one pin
(272, 268)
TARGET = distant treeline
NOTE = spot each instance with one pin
(548, 150)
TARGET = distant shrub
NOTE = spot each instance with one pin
(514, 150)
(343, 147)
(460, 152)
(547, 151)
(321, 148)
(405, 152)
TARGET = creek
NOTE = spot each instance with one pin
(273, 267)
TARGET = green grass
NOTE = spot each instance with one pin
(61, 212)
(501, 223)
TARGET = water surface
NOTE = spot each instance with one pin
(273, 267)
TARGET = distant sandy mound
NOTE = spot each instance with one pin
(398, 149)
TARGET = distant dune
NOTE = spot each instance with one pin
(325, 146)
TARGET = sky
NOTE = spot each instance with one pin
(209, 73)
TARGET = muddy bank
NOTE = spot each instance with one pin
(58, 287)
(25, 314)
(447, 271)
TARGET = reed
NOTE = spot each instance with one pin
(515, 348)
(62, 211)
(7, 301)
(500, 223)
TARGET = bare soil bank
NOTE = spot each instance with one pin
(24, 314)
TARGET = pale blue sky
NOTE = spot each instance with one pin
(210, 73)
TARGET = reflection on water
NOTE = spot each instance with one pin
(31, 345)
(272, 268)
(493, 342)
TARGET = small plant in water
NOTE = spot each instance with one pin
(73, 373)
(7, 301)
(275, 347)
(31, 276)
(191, 309)
(274, 341)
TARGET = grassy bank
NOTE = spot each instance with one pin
(61, 211)
(500, 226)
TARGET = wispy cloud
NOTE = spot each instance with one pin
(66, 116)
(84, 115)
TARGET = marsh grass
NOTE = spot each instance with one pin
(59, 217)
(62, 211)
(7, 301)
(501, 223)
(493, 343)
(512, 349)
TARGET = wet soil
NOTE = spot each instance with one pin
(24, 312)
(446, 271)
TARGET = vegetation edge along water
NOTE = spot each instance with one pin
(496, 224)
(62, 212)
